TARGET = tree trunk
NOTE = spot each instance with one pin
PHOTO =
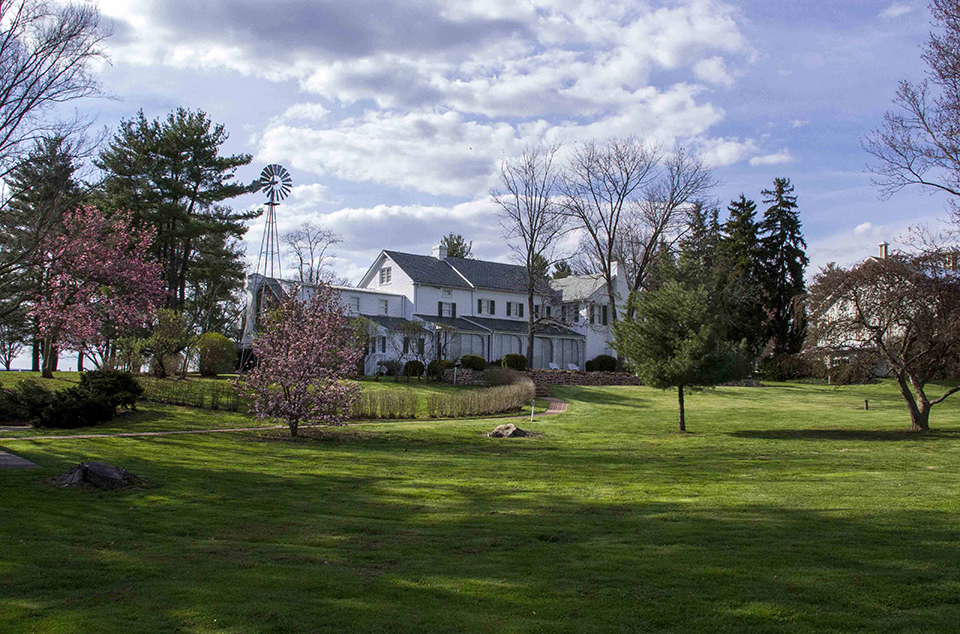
(683, 420)
(294, 428)
(919, 407)
(37, 348)
(80, 362)
(49, 359)
(530, 329)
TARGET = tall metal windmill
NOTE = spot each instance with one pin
(275, 182)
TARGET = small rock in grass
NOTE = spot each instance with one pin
(99, 475)
(507, 431)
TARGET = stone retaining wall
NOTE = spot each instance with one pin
(464, 377)
(543, 378)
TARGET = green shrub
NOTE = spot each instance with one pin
(602, 363)
(787, 367)
(391, 367)
(120, 388)
(498, 363)
(413, 368)
(436, 367)
(473, 362)
(218, 355)
(515, 361)
(501, 376)
(202, 394)
(78, 406)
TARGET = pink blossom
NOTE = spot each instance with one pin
(305, 355)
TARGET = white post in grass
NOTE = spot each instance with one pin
(533, 408)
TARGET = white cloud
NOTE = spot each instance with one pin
(895, 10)
(305, 111)
(720, 152)
(864, 228)
(780, 158)
(798, 123)
(714, 71)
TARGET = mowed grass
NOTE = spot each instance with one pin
(789, 509)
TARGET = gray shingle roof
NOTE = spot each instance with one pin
(493, 275)
(387, 322)
(520, 327)
(425, 269)
(453, 322)
(578, 288)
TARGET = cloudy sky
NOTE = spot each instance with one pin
(391, 115)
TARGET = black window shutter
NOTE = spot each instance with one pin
(479, 306)
(406, 345)
(593, 309)
(420, 346)
(453, 309)
(383, 344)
(439, 309)
(604, 315)
(509, 306)
(519, 310)
(493, 307)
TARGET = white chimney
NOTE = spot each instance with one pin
(440, 252)
(883, 250)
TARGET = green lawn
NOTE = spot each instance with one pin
(790, 509)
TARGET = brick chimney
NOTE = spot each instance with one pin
(439, 252)
(884, 246)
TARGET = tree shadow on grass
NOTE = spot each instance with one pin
(869, 435)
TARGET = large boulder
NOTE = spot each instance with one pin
(507, 431)
(99, 475)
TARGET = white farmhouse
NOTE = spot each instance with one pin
(467, 306)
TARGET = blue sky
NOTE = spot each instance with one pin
(391, 115)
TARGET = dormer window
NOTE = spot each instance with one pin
(384, 306)
(386, 273)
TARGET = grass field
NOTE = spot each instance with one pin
(790, 509)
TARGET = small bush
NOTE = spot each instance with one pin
(436, 367)
(170, 366)
(501, 376)
(391, 367)
(786, 367)
(496, 364)
(473, 362)
(602, 363)
(73, 407)
(120, 388)
(515, 362)
(413, 368)
(218, 355)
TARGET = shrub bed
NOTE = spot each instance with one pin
(483, 402)
(201, 394)
(384, 404)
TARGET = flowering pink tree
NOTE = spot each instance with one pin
(305, 353)
(96, 273)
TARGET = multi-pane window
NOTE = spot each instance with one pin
(486, 307)
(355, 304)
(446, 309)
(384, 306)
(447, 292)
(386, 273)
(514, 309)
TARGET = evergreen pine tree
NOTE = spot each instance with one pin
(740, 271)
(783, 254)
(170, 174)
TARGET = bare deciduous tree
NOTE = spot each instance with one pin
(658, 219)
(531, 219)
(904, 308)
(919, 143)
(311, 245)
(598, 187)
(47, 54)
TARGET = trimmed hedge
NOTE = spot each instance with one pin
(515, 361)
(93, 401)
(473, 362)
(218, 355)
(413, 368)
(436, 367)
(601, 363)
(482, 402)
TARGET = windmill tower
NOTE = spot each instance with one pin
(275, 182)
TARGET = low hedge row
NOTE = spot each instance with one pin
(200, 394)
(94, 400)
